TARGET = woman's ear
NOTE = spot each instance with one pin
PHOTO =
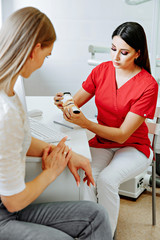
(138, 53)
(35, 51)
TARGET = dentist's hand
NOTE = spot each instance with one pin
(57, 100)
(78, 119)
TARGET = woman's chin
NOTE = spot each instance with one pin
(116, 65)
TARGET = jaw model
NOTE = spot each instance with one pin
(69, 103)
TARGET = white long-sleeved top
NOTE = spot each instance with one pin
(15, 139)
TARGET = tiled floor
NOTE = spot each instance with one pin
(135, 218)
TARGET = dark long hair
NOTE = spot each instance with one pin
(133, 34)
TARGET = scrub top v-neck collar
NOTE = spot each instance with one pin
(126, 83)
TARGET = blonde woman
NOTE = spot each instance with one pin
(27, 38)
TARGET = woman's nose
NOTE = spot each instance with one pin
(117, 57)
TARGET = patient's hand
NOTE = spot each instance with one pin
(78, 161)
(56, 158)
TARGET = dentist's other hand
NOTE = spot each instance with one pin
(58, 100)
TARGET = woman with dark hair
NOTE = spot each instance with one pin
(125, 95)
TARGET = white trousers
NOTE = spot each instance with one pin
(110, 168)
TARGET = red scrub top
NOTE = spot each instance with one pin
(137, 95)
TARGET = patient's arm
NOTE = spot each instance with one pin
(54, 162)
(76, 162)
(37, 147)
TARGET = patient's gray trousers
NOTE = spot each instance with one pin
(56, 221)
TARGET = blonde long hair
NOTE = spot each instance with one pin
(18, 36)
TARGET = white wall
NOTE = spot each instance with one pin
(78, 24)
